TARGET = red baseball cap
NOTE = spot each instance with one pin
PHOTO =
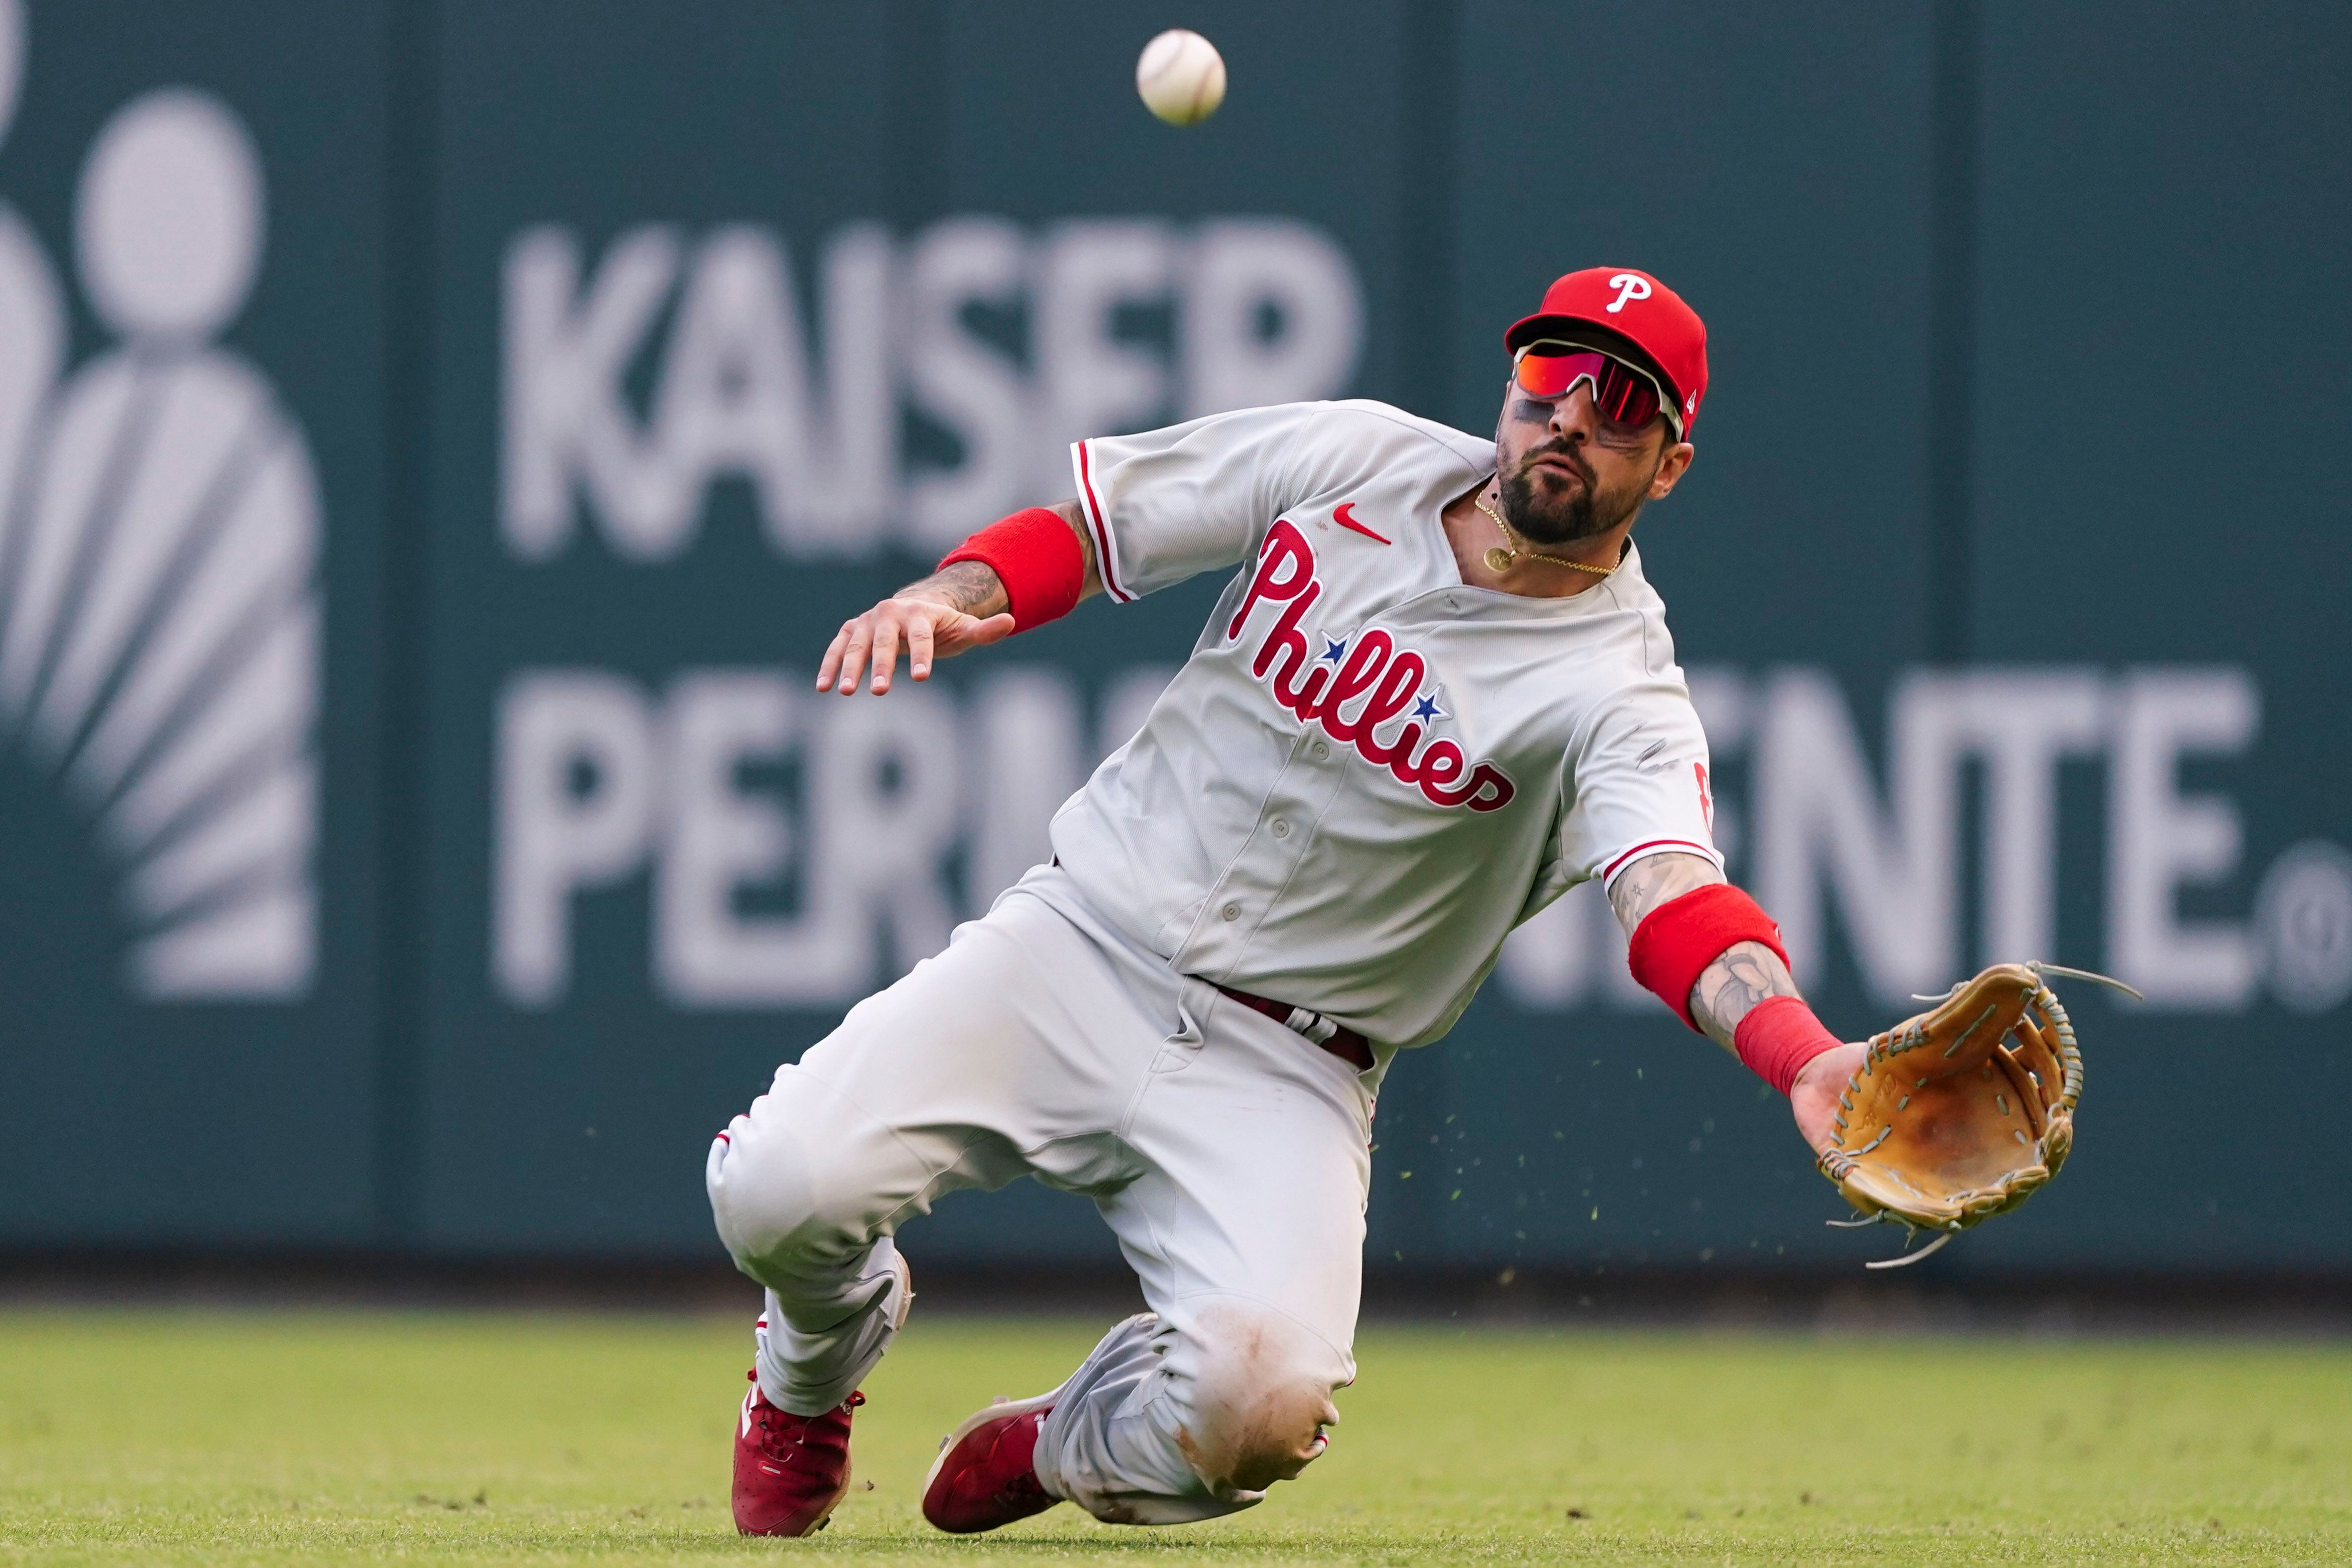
(1629, 304)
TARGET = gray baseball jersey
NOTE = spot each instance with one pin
(1367, 772)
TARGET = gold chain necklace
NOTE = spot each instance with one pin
(1500, 556)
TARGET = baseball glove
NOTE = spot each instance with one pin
(1959, 1114)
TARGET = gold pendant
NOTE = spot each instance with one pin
(1498, 558)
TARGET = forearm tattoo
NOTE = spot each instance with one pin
(1745, 973)
(973, 587)
(970, 586)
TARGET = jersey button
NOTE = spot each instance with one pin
(1231, 911)
(1322, 751)
(1281, 829)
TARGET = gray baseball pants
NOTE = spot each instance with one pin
(1228, 1154)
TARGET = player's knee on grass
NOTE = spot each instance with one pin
(1260, 1396)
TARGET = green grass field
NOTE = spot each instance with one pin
(266, 1437)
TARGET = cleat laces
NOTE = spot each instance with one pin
(780, 1432)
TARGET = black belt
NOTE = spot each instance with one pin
(1341, 1042)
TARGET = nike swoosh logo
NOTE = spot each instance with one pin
(1342, 516)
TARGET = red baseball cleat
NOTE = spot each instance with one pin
(790, 1471)
(985, 1476)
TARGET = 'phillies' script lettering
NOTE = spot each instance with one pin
(1386, 678)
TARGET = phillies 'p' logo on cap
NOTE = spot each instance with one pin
(1637, 310)
(1629, 286)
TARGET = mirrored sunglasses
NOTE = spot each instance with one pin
(1621, 393)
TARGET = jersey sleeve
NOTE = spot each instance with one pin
(1638, 785)
(1169, 503)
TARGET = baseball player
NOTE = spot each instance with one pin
(1436, 692)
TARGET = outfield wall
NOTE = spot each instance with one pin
(440, 439)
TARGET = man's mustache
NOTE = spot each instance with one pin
(1563, 451)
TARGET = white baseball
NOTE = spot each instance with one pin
(1180, 76)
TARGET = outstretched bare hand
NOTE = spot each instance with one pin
(926, 627)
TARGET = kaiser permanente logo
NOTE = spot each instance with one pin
(160, 528)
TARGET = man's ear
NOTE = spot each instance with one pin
(1672, 464)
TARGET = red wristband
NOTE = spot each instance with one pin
(1677, 941)
(1777, 1036)
(1038, 560)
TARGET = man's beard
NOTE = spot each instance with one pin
(1546, 515)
